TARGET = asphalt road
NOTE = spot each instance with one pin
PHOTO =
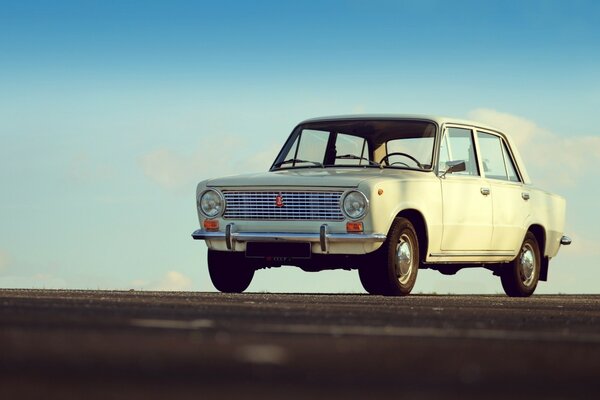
(157, 345)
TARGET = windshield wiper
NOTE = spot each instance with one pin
(296, 160)
(355, 157)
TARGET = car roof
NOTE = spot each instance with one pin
(439, 120)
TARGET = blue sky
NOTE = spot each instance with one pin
(111, 111)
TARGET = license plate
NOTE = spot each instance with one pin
(278, 250)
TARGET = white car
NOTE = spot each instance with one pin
(386, 195)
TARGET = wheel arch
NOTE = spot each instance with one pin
(420, 224)
(540, 235)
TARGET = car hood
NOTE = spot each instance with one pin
(311, 177)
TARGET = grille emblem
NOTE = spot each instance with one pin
(279, 200)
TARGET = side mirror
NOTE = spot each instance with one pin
(454, 166)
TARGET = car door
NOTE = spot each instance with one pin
(466, 204)
(510, 198)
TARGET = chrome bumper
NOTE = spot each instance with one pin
(230, 236)
(565, 240)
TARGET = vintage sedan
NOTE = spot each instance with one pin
(386, 195)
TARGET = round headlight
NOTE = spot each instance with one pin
(355, 205)
(211, 203)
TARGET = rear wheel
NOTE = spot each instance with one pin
(521, 276)
(394, 267)
(229, 271)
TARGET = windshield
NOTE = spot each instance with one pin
(360, 143)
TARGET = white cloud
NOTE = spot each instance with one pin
(521, 129)
(358, 109)
(174, 280)
(174, 170)
(171, 281)
(553, 160)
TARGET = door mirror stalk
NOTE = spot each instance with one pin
(454, 166)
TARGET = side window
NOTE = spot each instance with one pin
(351, 146)
(457, 145)
(495, 158)
(510, 165)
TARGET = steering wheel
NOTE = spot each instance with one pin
(386, 157)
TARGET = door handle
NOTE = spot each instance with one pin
(485, 191)
(525, 196)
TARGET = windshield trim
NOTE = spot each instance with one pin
(328, 166)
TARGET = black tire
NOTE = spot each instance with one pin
(369, 280)
(394, 267)
(229, 271)
(521, 276)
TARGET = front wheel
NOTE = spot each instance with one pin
(521, 276)
(229, 271)
(393, 271)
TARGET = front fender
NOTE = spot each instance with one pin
(389, 198)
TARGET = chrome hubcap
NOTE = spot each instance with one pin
(527, 264)
(404, 259)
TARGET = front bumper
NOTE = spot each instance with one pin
(230, 236)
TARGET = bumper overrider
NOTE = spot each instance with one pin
(323, 237)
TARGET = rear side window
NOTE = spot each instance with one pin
(496, 160)
(510, 165)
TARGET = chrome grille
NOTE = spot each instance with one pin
(300, 206)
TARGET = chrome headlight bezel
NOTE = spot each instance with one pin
(361, 197)
(220, 208)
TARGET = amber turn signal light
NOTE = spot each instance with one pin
(211, 224)
(354, 227)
